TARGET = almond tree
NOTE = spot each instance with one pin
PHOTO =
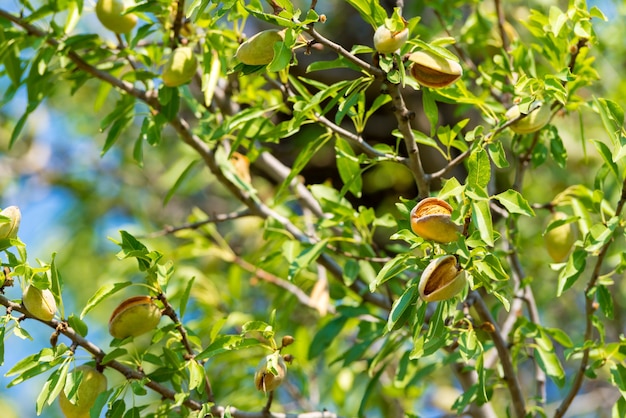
(355, 208)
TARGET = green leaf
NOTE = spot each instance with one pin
(371, 11)
(392, 268)
(103, 293)
(400, 306)
(348, 166)
(282, 57)
(225, 343)
(498, 154)
(481, 217)
(306, 257)
(113, 354)
(196, 375)
(612, 116)
(78, 325)
(514, 202)
(478, 170)
(607, 157)
(313, 145)
(180, 180)
(184, 299)
(430, 109)
(548, 360)
(605, 300)
(325, 336)
(573, 269)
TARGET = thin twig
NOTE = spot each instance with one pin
(177, 24)
(589, 312)
(217, 218)
(371, 69)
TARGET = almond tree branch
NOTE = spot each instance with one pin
(217, 218)
(414, 162)
(510, 376)
(589, 312)
(183, 129)
(132, 374)
(171, 313)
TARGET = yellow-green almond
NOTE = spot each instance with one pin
(133, 317)
(9, 229)
(40, 303)
(110, 14)
(265, 379)
(533, 121)
(387, 41)
(180, 67)
(259, 50)
(92, 384)
(432, 70)
(559, 240)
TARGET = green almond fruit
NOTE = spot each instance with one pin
(110, 14)
(40, 303)
(259, 50)
(180, 67)
(387, 41)
(92, 384)
(534, 120)
(10, 226)
(559, 240)
(133, 317)
(270, 373)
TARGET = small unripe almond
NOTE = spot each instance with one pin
(180, 67)
(40, 303)
(259, 50)
(270, 373)
(9, 228)
(287, 340)
(387, 41)
(559, 240)
(109, 13)
(133, 317)
(92, 384)
(533, 121)
(432, 70)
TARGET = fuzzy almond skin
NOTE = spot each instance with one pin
(9, 230)
(431, 220)
(93, 383)
(264, 379)
(133, 317)
(259, 50)
(559, 240)
(434, 71)
(442, 279)
(180, 67)
(535, 120)
(109, 13)
(40, 303)
(387, 42)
